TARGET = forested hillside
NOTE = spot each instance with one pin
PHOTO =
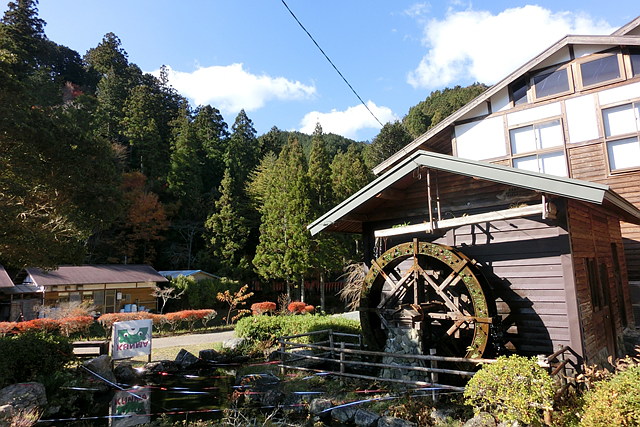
(102, 163)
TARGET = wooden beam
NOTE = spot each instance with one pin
(391, 194)
(464, 220)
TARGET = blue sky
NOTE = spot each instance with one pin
(251, 54)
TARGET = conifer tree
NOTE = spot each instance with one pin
(228, 230)
(348, 173)
(241, 154)
(284, 247)
(212, 135)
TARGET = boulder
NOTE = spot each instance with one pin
(21, 401)
(316, 406)
(233, 343)
(441, 415)
(366, 418)
(394, 422)
(161, 366)
(345, 414)
(125, 373)
(209, 354)
(482, 419)
(186, 360)
(260, 389)
(101, 366)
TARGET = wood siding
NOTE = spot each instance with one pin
(141, 296)
(593, 232)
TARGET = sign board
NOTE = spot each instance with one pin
(130, 408)
(131, 338)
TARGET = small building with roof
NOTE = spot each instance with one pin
(197, 275)
(109, 287)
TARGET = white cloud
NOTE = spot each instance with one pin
(348, 122)
(231, 88)
(479, 46)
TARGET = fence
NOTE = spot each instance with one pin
(350, 354)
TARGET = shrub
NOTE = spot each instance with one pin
(75, 325)
(263, 307)
(7, 328)
(107, 320)
(514, 388)
(29, 355)
(45, 325)
(615, 401)
(202, 294)
(296, 307)
(269, 328)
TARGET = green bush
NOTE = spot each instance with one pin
(202, 294)
(615, 401)
(269, 328)
(27, 356)
(514, 388)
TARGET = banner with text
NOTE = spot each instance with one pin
(131, 338)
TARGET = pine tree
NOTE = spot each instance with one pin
(212, 135)
(348, 173)
(392, 138)
(241, 154)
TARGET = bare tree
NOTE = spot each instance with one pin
(166, 294)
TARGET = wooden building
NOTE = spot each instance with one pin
(197, 275)
(109, 287)
(470, 252)
(573, 110)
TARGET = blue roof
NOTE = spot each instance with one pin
(175, 273)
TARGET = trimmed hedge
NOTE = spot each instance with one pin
(270, 328)
(30, 355)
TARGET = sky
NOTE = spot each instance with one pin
(252, 54)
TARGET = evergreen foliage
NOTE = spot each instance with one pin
(392, 138)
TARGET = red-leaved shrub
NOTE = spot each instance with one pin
(263, 307)
(296, 307)
(308, 309)
(7, 328)
(75, 324)
(46, 325)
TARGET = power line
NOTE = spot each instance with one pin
(331, 62)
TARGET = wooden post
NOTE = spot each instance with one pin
(282, 357)
(341, 362)
(322, 295)
(302, 290)
(434, 375)
(332, 352)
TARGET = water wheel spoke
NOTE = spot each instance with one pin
(396, 287)
(455, 328)
(445, 298)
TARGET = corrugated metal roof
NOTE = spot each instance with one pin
(86, 274)
(550, 184)
(5, 280)
(20, 289)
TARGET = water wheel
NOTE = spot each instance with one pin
(432, 288)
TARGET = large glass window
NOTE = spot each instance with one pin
(553, 83)
(541, 139)
(621, 130)
(601, 70)
(519, 92)
(635, 62)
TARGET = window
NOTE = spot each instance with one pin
(621, 131)
(601, 70)
(635, 62)
(519, 92)
(541, 141)
(595, 288)
(553, 83)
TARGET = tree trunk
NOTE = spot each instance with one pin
(302, 290)
(289, 290)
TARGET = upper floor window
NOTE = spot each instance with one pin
(634, 55)
(519, 91)
(602, 69)
(553, 83)
(539, 147)
(621, 131)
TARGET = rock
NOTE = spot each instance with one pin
(273, 397)
(125, 373)
(185, 360)
(482, 419)
(345, 414)
(319, 405)
(101, 365)
(209, 354)
(394, 422)
(261, 382)
(442, 414)
(509, 424)
(240, 359)
(272, 354)
(261, 389)
(233, 343)
(366, 418)
(21, 400)
(161, 366)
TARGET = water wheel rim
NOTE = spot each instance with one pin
(454, 260)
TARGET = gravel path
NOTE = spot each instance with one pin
(184, 340)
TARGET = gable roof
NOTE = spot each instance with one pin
(612, 40)
(5, 280)
(550, 184)
(86, 274)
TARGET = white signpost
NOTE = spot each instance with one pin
(131, 338)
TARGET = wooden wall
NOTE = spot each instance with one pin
(140, 295)
(593, 232)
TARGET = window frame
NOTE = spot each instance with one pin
(562, 148)
(635, 106)
(594, 57)
(567, 68)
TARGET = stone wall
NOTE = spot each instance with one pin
(403, 341)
